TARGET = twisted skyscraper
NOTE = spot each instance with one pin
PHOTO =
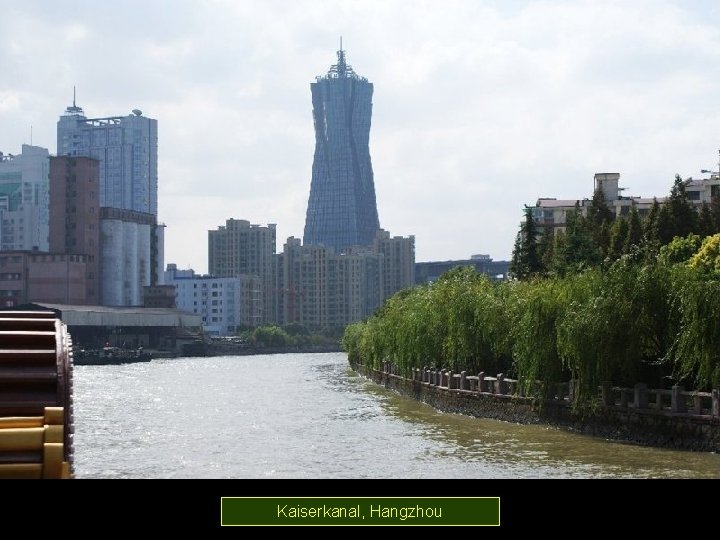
(342, 211)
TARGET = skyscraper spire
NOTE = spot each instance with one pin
(341, 65)
(342, 69)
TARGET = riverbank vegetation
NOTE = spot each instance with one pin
(622, 299)
(290, 336)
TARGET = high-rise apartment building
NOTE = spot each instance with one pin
(399, 261)
(239, 248)
(342, 210)
(131, 238)
(24, 199)
(323, 289)
(127, 149)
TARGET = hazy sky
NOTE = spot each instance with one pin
(479, 106)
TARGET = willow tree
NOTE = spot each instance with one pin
(535, 308)
(695, 353)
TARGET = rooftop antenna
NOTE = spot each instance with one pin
(74, 109)
(341, 60)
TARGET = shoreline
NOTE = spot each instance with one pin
(90, 358)
(644, 427)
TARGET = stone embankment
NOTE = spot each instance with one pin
(672, 418)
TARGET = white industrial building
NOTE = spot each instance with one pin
(125, 258)
(225, 304)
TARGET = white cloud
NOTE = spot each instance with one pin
(479, 107)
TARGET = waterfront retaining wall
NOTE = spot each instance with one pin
(662, 418)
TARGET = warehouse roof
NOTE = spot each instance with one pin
(73, 315)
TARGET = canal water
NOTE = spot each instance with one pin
(310, 416)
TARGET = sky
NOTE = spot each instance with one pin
(479, 107)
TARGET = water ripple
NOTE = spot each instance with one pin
(309, 416)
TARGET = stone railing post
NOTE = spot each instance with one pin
(677, 401)
(624, 397)
(572, 390)
(641, 396)
(606, 394)
(425, 376)
(697, 404)
(500, 384)
(481, 382)
(463, 381)
(450, 380)
(438, 377)
(716, 402)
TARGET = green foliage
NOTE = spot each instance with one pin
(535, 308)
(679, 250)
(715, 214)
(695, 353)
(296, 329)
(580, 250)
(525, 262)
(707, 258)
(352, 341)
(609, 329)
(683, 215)
(600, 219)
(618, 238)
(641, 317)
(458, 322)
(706, 225)
(634, 233)
(270, 336)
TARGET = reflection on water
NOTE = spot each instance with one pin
(310, 416)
